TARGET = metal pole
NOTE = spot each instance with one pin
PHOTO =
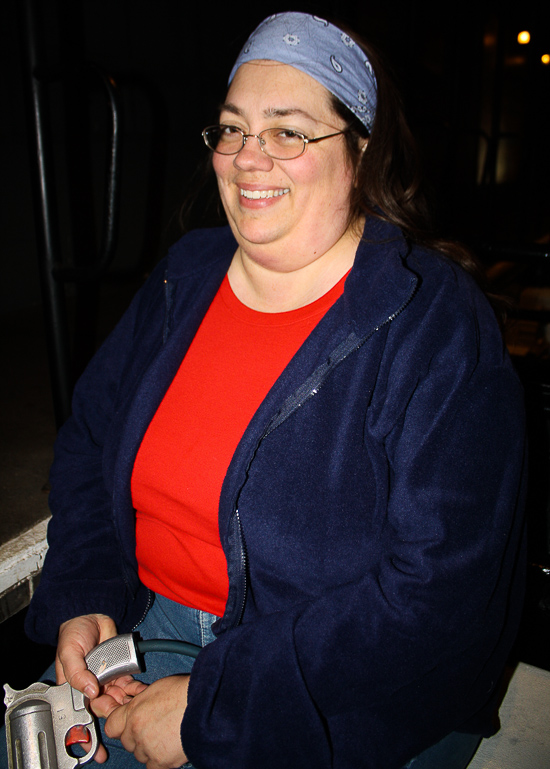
(48, 248)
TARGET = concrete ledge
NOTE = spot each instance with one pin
(523, 741)
(21, 562)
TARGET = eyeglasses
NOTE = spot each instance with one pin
(277, 143)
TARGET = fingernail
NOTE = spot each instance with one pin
(90, 691)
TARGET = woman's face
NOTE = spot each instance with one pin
(307, 209)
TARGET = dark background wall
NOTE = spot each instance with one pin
(464, 77)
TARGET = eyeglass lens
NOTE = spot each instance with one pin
(278, 143)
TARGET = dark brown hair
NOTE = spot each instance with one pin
(388, 174)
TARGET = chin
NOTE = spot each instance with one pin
(255, 233)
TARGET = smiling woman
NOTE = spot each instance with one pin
(302, 448)
(291, 218)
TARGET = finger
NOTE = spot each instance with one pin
(79, 677)
(104, 705)
(86, 683)
(113, 696)
(116, 723)
(101, 755)
(122, 686)
(135, 687)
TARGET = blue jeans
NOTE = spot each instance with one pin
(167, 619)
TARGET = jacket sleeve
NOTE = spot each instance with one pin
(86, 569)
(377, 670)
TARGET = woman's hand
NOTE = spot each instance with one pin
(148, 725)
(77, 637)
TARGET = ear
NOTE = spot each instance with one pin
(364, 145)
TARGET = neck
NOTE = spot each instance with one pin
(294, 280)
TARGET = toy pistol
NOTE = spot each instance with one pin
(42, 722)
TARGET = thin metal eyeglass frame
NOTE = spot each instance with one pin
(304, 138)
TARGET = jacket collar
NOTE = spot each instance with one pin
(201, 250)
(380, 284)
(378, 287)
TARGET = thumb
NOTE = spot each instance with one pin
(116, 721)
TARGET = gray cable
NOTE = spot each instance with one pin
(166, 645)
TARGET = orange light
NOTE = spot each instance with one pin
(545, 58)
(524, 37)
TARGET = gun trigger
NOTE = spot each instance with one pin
(77, 735)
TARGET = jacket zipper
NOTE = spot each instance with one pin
(309, 388)
(312, 385)
(244, 566)
(146, 610)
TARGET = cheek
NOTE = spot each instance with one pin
(331, 182)
(326, 169)
(222, 165)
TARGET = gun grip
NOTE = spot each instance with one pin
(115, 657)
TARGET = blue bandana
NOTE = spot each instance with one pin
(322, 51)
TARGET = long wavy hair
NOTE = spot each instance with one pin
(389, 179)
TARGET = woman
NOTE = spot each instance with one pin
(306, 428)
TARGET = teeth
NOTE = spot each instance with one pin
(257, 194)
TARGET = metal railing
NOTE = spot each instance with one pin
(54, 273)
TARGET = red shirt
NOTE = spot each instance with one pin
(235, 358)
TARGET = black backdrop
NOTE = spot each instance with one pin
(477, 100)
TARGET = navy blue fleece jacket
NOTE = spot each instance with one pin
(371, 515)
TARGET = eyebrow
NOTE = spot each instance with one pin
(269, 112)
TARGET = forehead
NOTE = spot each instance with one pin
(272, 88)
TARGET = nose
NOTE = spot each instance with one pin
(251, 155)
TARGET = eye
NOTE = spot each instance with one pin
(229, 131)
(284, 137)
(287, 135)
(228, 136)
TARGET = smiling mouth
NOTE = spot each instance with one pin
(257, 194)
